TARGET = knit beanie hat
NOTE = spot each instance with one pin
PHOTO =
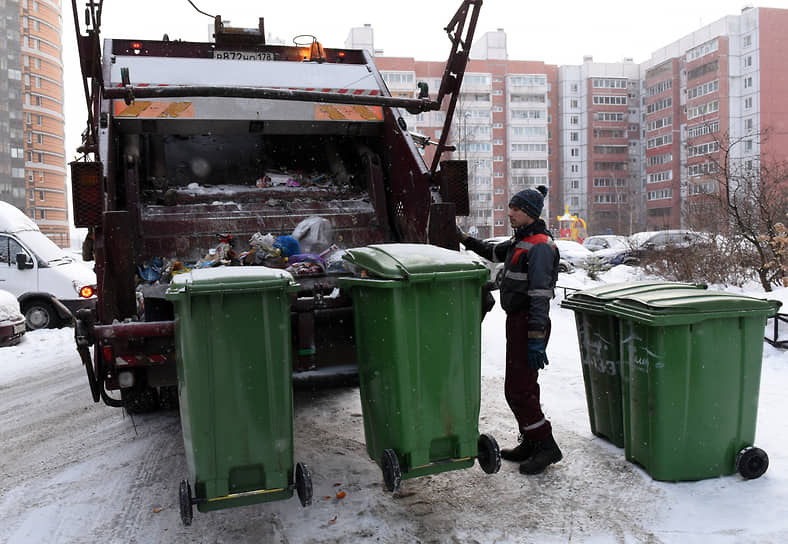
(531, 201)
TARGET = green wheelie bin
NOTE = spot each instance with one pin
(691, 369)
(598, 341)
(234, 364)
(417, 315)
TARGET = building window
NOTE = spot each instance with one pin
(42, 214)
(748, 123)
(748, 146)
(574, 168)
(575, 183)
(574, 103)
(497, 142)
(574, 136)
(702, 50)
(41, 196)
(748, 82)
(497, 125)
(497, 109)
(574, 152)
(40, 138)
(573, 88)
(748, 103)
(747, 40)
(748, 61)
(398, 78)
(498, 92)
(574, 120)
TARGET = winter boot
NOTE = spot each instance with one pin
(545, 453)
(523, 451)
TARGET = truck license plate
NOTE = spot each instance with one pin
(19, 327)
(243, 55)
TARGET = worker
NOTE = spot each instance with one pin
(530, 272)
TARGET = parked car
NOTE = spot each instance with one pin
(648, 241)
(573, 252)
(496, 269)
(49, 283)
(12, 322)
(605, 247)
(605, 241)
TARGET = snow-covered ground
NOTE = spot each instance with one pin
(72, 471)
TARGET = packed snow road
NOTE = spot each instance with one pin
(77, 472)
(74, 471)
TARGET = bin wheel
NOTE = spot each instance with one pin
(186, 502)
(392, 475)
(303, 484)
(752, 462)
(489, 455)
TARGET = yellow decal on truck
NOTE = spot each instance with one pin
(340, 112)
(148, 108)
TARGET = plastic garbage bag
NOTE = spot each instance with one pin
(314, 234)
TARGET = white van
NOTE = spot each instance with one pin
(49, 283)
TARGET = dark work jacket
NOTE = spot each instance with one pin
(530, 260)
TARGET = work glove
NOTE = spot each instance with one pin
(537, 358)
(461, 234)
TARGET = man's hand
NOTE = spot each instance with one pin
(537, 358)
(461, 234)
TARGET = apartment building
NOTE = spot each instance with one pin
(601, 150)
(625, 146)
(503, 124)
(32, 157)
(12, 137)
(717, 91)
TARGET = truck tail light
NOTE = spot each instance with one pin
(86, 292)
(87, 193)
(107, 351)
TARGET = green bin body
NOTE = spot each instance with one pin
(598, 341)
(232, 336)
(691, 368)
(418, 338)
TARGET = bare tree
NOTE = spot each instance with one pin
(746, 199)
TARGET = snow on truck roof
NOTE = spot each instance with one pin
(267, 74)
(13, 220)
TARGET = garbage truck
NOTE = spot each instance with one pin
(237, 152)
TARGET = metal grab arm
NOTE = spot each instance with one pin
(129, 93)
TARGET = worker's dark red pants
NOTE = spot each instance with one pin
(522, 386)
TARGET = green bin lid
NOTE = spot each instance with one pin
(596, 298)
(683, 306)
(415, 262)
(228, 279)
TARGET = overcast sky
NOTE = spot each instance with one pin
(556, 32)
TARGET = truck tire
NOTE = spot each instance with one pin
(40, 314)
(140, 399)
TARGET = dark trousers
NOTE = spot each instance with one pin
(521, 386)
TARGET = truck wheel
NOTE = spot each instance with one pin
(140, 399)
(392, 475)
(39, 314)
